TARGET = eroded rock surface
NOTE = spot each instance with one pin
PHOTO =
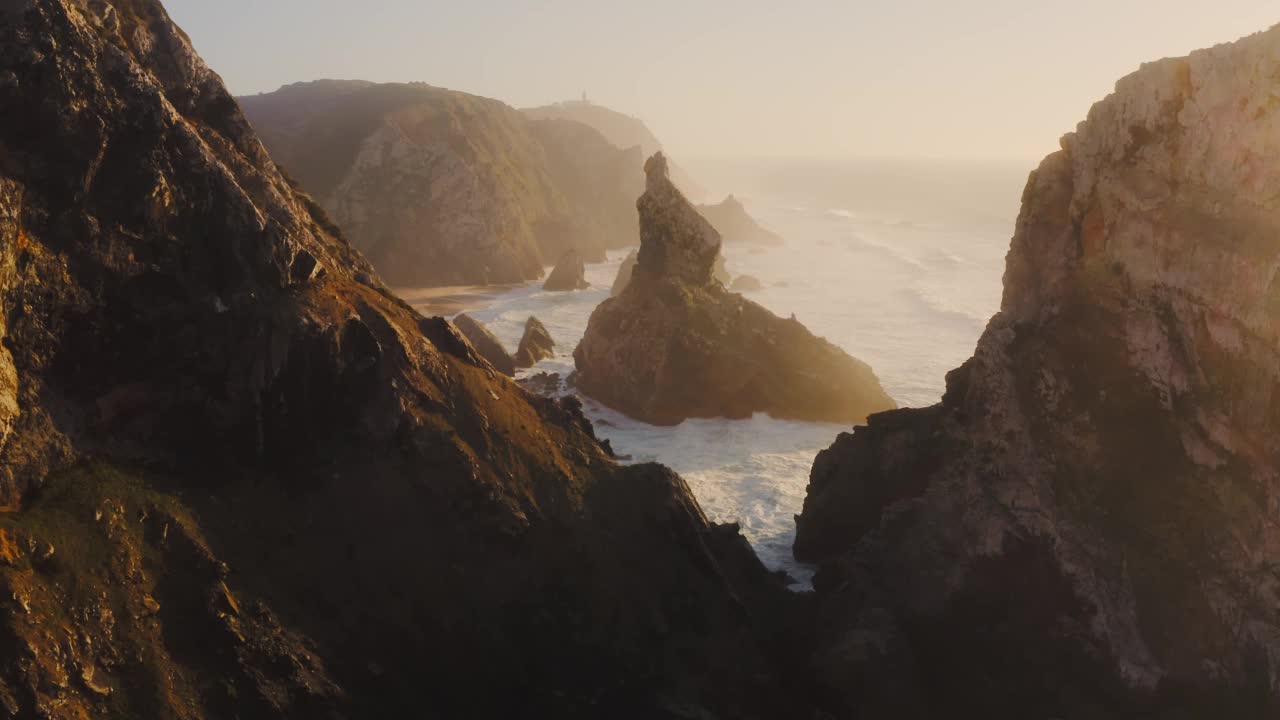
(247, 481)
(675, 344)
(486, 343)
(1085, 526)
(570, 273)
(536, 344)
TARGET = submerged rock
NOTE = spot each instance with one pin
(736, 225)
(1085, 526)
(675, 344)
(536, 344)
(569, 274)
(625, 270)
(486, 344)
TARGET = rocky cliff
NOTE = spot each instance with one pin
(241, 479)
(736, 225)
(620, 129)
(675, 344)
(438, 187)
(1085, 526)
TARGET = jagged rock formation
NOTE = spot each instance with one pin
(1085, 526)
(246, 481)
(675, 344)
(570, 273)
(438, 187)
(623, 131)
(623, 279)
(536, 344)
(486, 344)
(736, 225)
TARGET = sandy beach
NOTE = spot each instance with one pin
(451, 300)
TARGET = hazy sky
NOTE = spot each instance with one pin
(998, 79)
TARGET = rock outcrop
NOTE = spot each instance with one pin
(570, 273)
(242, 479)
(1085, 526)
(536, 344)
(439, 187)
(486, 344)
(623, 279)
(736, 225)
(675, 344)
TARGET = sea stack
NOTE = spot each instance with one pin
(1086, 525)
(675, 344)
(623, 279)
(736, 225)
(536, 344)
(569, 273)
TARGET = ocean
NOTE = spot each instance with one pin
(899, 263)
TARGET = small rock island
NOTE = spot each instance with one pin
(675, 344)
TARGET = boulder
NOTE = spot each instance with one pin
(536, 344)
(569, 274)
(486, 344)
(676, 344)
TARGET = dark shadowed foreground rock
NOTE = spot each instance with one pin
(486, 344)
(243, 480)
(1085, 527)
(736, 225)
(536, 344)
(675, 344)
(569, 274)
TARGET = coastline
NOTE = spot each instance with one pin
(450, 300)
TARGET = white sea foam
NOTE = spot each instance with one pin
(909, 300)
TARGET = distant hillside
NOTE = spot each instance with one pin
(439, 187)
(620, 129)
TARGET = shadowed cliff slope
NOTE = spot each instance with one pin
(241, 479)
(1085, 526)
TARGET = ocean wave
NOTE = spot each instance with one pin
(861, 243)
(926, 304)
(842, 214)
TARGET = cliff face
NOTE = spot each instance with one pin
(439, 187)
(1096, 494)
(242, 479)
(623, 131)
(674, 344)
